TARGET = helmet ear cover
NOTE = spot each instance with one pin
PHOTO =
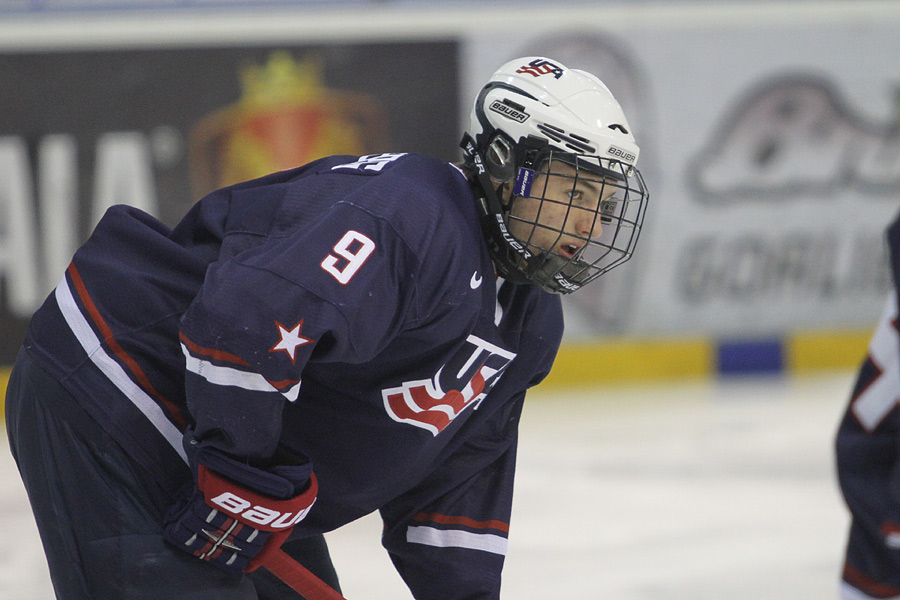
(499, 157)
(505, 159)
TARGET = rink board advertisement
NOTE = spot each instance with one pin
(773, 159)
(159, 128)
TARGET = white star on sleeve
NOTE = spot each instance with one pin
(291, 339)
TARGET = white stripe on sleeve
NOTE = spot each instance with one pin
(220, 375)
(226, 375)
(447, 538)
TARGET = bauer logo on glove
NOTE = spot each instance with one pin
(234, 525)
(259, 511)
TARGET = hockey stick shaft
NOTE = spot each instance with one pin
(298, 577)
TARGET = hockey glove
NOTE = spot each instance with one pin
(238, 513)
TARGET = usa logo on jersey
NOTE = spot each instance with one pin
(432, 404)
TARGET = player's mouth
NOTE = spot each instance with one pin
(568, 250)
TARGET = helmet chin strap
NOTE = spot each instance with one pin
(492, 221)
(482, 178)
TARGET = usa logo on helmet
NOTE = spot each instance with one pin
(541, 67)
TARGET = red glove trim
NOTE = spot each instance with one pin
(253, 509)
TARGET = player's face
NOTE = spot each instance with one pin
(563, 212)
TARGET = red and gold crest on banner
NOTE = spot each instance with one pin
(284, 118)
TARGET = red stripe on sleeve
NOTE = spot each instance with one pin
(466, 521)
(213, 353)
(867, 585)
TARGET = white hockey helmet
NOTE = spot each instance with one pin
(534, 111)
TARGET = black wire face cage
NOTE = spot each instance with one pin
(577, 216)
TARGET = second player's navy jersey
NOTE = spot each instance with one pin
(347, 311)
(868, 458)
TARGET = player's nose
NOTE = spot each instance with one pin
(587, 224)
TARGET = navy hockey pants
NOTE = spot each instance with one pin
(99, 513)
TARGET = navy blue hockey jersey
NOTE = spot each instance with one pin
(346, 310)
(868, 458)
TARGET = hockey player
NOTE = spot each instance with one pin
(349, 336)
(868, 464)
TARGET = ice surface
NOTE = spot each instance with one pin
(700, 490)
